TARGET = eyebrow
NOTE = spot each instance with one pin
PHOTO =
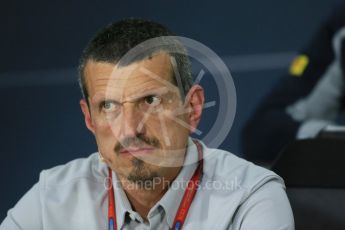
(100, 97)
(145, 93)
(139, 95)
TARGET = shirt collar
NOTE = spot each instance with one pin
(171, 199)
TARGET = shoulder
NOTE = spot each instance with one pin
(79, 169)
(225, 167)
(58, 194)
(235, 191)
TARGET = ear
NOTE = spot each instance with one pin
(87, 115)
(194, 104)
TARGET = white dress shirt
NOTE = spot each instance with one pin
(233, 194)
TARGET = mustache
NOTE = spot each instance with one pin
(137, 141)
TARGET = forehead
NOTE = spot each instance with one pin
(104, 78)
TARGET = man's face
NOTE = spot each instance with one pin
(138, 117)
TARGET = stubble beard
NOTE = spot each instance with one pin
(142, 174)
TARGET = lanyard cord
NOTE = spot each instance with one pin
(185, 204)
(111, 203)
(190, 192)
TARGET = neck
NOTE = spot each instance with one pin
(143, 198)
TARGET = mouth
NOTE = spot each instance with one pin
(136, 151)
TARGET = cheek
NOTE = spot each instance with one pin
(180, 130)
(176, 122)
(105, 139)
(171, 126)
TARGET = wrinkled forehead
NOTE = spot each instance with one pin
(105, 79)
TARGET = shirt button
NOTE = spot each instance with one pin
(132, 216)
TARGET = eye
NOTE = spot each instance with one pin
(108, 106)
(153, 100)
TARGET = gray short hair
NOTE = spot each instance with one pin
(114, 41)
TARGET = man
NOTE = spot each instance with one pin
(141, 106)
(306, 100)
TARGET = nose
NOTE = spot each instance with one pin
(131, 122)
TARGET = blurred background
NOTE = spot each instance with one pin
(41, 41)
